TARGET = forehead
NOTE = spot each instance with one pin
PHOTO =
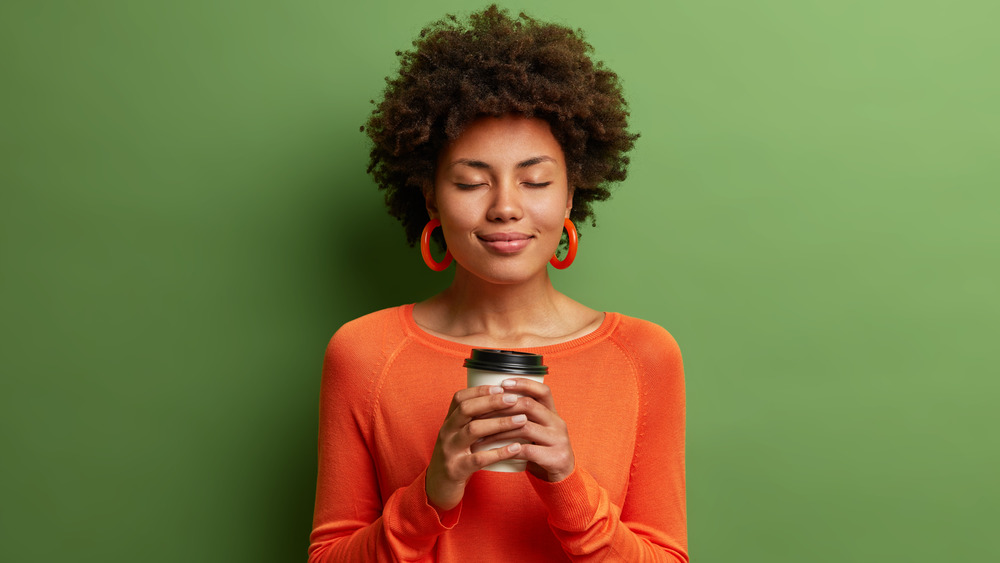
(505, 140)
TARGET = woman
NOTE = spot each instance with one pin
(502, 131)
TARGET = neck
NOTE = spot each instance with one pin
(510, 315)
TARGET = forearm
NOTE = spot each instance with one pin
(589, 526)
(407, 530)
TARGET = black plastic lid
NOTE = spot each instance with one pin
(506, 361)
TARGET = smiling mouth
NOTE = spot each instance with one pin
(505, 243)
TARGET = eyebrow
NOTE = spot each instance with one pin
(484, 166)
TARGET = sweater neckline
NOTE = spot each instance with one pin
(414, 330)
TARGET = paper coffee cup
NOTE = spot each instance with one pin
(491, 367)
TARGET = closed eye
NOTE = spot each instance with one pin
(537, 184)
(467, 186)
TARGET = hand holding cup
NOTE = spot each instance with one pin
(494, 367)
(471, 417)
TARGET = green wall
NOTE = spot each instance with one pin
(185, 220)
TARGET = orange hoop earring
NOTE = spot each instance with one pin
(571, 252)
(425, 248)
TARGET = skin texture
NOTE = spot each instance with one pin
(501, 193)
(504, 177)
(496, 413)
(495, 63)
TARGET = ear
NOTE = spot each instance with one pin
(429, 203)
(569, 202)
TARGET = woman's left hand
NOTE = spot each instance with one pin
(548, 453)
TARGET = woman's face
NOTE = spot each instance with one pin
(501, 193)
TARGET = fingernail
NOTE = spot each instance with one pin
(514, 448)
(494, 390)
(519, 417)
(510, 399)
(508, 383)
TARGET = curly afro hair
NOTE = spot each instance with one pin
(491, 66)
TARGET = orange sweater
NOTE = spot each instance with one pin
(385, 392)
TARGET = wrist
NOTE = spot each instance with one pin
(447, 515)
(438, 496)
(550, 476)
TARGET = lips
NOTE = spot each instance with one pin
(505, 243)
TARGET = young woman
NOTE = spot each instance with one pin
(501, 131)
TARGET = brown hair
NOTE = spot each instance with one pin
(495, 65)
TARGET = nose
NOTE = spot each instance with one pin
(506, 203)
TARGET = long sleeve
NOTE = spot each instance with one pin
(651, 524)
(385, 390)
(351, 522)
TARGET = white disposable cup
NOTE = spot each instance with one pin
(477, 377)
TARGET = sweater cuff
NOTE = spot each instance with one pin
(414, 516)
(572, 502)
(446, 518)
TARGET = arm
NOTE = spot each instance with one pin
(655, 506)
(350, 522)
(651, 523)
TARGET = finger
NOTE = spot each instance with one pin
(543, 436)
(483, 458)
(480, 406)
(463, 395)
(536, 412)
(530, 388)
(482, 428)
(556, 463)
(487, 430)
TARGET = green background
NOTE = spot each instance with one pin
(811, 211)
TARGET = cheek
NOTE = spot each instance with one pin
(456, 223)
(551, 224)
(552, 210)
(456, 219)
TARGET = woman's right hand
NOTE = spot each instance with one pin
(453, 462)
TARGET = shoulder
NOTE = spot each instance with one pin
(646, 339)
(657, 360)
(361, 329)
(653, 352)
(363, 344)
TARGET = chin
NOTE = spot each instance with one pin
(507, 272)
